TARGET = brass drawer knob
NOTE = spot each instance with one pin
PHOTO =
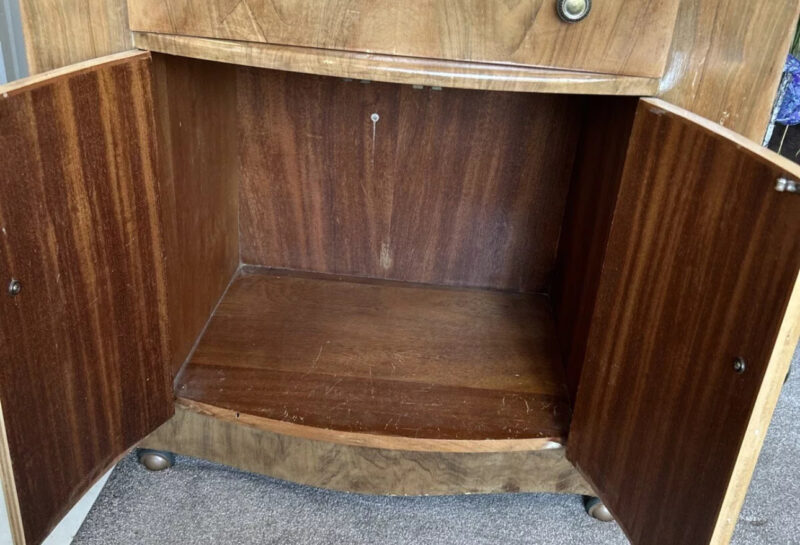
(572, 11)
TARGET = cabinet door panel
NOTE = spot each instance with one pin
(699, 269)
(84, 344)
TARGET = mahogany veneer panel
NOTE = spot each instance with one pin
(196, 119)
(452, 187)
(84, 345)
(701, 260)
(606, 127)
(617, 37)
(382, 358)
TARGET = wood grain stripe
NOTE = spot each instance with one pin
(84, 344)
(701, 261)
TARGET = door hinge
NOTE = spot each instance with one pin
(789, 186)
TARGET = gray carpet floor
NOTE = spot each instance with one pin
(199, 503)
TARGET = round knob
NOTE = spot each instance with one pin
(573, 11)
(14, 287)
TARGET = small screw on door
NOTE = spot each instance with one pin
(14, 287)
(739, 365)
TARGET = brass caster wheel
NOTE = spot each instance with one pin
(156, 460)
(597, 509)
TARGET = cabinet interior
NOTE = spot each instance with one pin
(382, 259)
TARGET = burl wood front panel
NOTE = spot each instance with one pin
(618, 37)
(451, 187)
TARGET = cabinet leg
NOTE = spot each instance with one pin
(597, 509)
(155, 460)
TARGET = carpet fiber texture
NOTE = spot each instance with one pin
(199, 503)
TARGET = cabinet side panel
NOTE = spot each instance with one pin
(726, 60)
(196, 118)
(84, 342)
(63, 32)
(599, 160)
(10, 487)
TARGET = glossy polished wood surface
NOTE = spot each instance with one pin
(382, 358)
(617, 37)
(393, 69)
(197, 135)
(605, 130)
(701, 261)
(448, 187)
(199, 433)
(84, 344)
(64, 32)
(726, 60)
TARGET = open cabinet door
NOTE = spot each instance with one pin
(83, 335)
(699, 274)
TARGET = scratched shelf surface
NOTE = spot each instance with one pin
(386, 359)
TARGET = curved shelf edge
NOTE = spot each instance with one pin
(392, 69)
(369, 440)
(359, 469)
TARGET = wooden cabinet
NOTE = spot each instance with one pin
(387, 287)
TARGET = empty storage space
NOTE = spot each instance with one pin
(392, 359)
(399, 249)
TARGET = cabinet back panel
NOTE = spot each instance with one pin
(453, 187)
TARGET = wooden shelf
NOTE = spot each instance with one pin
(394, 69)
(383, 364)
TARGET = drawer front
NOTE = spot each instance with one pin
(617, 36)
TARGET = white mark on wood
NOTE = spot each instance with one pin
(4, 231)
(374, 118)
(316, 360)
(386, 256)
